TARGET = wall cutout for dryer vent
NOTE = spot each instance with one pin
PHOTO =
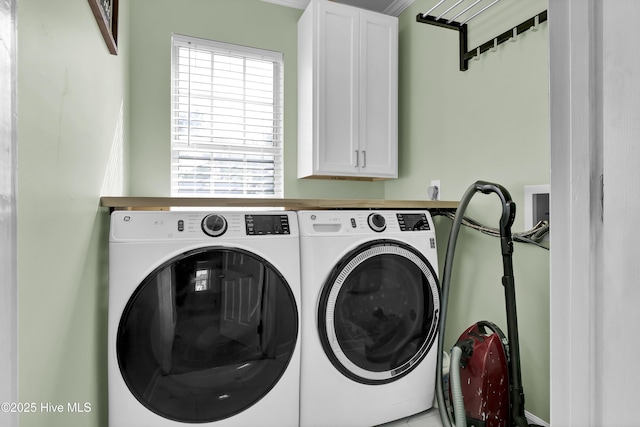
(536, 205)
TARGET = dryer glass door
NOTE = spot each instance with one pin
(207, 335)
(378, 314)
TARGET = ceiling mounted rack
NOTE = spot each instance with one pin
(456, 17)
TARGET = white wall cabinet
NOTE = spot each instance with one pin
(347, 93)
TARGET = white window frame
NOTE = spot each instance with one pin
(195, 150)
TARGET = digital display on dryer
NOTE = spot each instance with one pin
(267, 224)
(413, 222)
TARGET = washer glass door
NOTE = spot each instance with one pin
(207, 335)
(377, 316)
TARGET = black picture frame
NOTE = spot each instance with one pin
(106, 14)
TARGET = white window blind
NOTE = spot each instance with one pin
(227, 124)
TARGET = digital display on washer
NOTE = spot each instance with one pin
(413, 222)
(266, 224)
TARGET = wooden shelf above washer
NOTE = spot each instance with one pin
(165, 203)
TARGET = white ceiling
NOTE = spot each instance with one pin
(389, 7)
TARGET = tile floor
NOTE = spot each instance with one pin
(430, 418)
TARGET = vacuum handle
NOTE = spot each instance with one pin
(508, 207)
(506, 221)
(508, 212)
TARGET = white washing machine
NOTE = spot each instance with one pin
(204, 319)
(370, 303)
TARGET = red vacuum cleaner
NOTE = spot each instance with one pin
(485, 384)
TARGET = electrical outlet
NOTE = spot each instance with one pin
(435, 190)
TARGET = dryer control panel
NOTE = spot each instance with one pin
(213, 224)
(266, 224)
(196, 225)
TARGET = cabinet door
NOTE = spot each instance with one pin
(337, 87)
(378, 108)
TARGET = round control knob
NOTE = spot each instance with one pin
(377, 222)
(214, 225)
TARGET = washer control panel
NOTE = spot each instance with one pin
(413, 221)
(381, 223)
(377, 222)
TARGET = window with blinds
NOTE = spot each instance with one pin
(227, 125)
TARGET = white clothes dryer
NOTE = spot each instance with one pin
(370, 303)
(203, 319)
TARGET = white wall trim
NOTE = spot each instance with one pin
(395, 8)
(298, 4)
(575, 210)
(532, 419)
(8, 221)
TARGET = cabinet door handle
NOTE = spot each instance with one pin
(364, 158)
(357, 157)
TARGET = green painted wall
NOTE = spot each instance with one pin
(491, 123)
(71, 104)
(246, 22)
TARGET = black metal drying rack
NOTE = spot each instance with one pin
(467, 54)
